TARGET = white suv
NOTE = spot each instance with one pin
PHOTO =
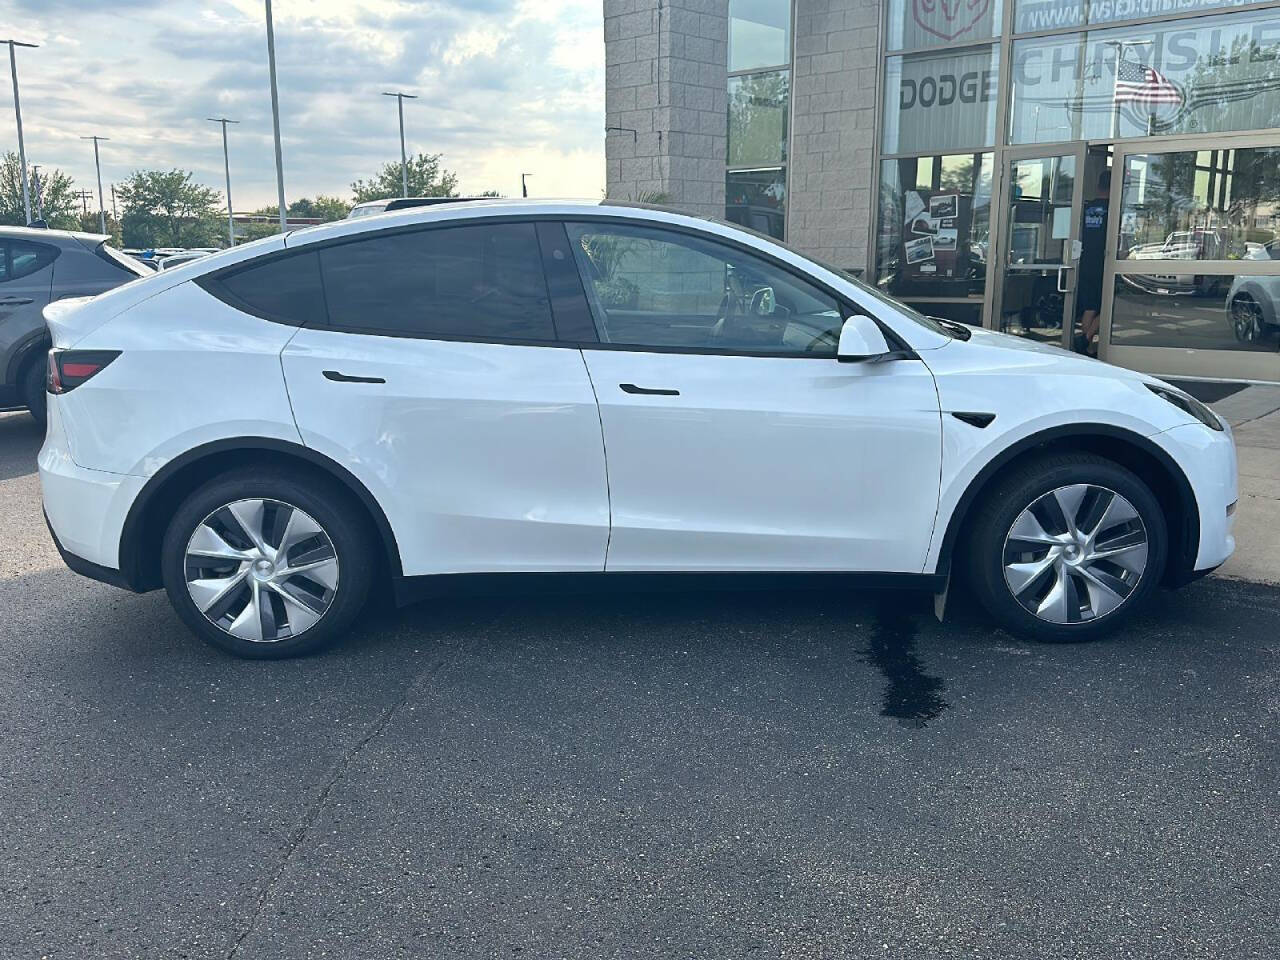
(602, 391)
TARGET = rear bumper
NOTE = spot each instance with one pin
(85, 509)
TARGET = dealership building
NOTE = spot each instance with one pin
(1101, 175)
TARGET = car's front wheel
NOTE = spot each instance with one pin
(1067, 547)
(268, 564)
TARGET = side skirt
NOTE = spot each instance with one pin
(413, 589)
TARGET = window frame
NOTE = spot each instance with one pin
(847, 306)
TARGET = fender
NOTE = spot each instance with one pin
(1188, 537)
(133, 565)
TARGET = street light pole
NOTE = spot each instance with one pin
(35, 176)
(17, 113)
(102, 206)
(404, 162)
(226, 163)
(275, 116)
(524, 187)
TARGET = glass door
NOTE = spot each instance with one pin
(1038, 245)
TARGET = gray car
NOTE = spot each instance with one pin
(37, 267)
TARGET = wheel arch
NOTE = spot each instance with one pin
(26, 351)
(145, 523)
(1130, 450)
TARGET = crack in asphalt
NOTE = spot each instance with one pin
(313, 811)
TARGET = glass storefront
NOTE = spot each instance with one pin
(1000, 130)
(759, 110)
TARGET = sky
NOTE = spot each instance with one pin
(505, 87)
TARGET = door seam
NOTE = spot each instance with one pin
(604, 451)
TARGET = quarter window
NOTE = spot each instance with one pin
(483, 282)
(657, 288)
(284, 289)
(21, 259)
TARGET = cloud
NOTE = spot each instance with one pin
(505, 87)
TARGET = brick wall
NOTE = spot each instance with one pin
(835, 72)
(666, 79)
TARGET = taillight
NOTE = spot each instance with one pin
(70, 368)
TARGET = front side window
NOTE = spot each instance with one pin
(484, 282)
(659, 288)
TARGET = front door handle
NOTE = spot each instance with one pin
(14, 301)
(648, 391)
(337, 377)
(1062, 277)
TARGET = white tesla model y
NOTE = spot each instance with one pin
(599, 390)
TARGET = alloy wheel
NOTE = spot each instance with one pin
(1246, 320)
(261, 570)
(1075, 554)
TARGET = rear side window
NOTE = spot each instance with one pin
(21, 259)
(480, 282)
(284, 289)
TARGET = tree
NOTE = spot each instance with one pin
(426, 179)
(89, 223)
(169, 209)
(59, 202)
(324, 207)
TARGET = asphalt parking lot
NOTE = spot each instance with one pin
(686, 775)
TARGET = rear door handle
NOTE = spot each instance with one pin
(337, 377)
(648, 391)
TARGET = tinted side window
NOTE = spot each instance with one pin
(23, 259)
(661, 288)
(286, 289)
(483, 282)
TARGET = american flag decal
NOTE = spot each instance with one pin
(1138, 83)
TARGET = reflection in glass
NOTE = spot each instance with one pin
(1202, 75)
(1196, 312)
(940, 101)
(934, 226)
(757, 199)
(1200, 205)
(1038, 231)
(759, 34)
(937, 23)
(758, 118)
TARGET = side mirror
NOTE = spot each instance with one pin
(861, 339)
(762, 302)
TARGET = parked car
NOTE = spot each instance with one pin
(371, 207)
(178, 259)
(38, 266)
(598, 392)
(1252, 301)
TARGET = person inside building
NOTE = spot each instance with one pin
(1093, 245)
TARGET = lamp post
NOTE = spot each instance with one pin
(17, 114)
(102, 206)
(226, 163)
(404, 162)
(524, 187)
(35, 177)
(275, 116)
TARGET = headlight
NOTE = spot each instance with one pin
(1188, 404)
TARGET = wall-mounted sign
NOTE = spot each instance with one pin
(940, 101)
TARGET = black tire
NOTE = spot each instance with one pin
(342, 520)
(32, 390)
(1004, 503)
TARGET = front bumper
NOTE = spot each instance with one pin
(1208, 459)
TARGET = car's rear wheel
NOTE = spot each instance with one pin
(31, 386)
(1067, 547)
(268, 564)
(1246, 320)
